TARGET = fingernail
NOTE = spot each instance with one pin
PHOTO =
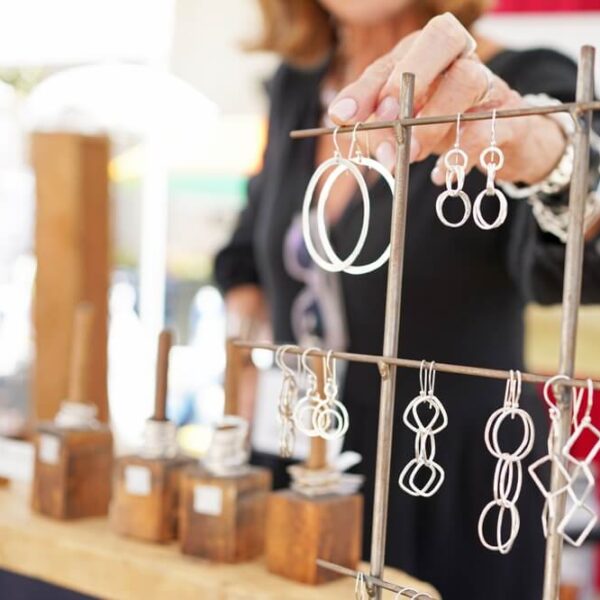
(344, 109)
(386, 155)
(415, 149)
(388, 108)
(437, 175)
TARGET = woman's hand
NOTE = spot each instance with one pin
(449, 79)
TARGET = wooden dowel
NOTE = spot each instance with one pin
(415, 364)
(317, 458)
(165, 341)
(80, 353)
(233, 372)
(574, 107)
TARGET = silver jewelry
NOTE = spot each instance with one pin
(508, 475)
(491, 166)
(330, 417)
(456, 170)
(582, 467)
(551, 458)
(304, 410)
(361, 591)
(336, 161)
(359, 159)
(425, 437)
(288, 396)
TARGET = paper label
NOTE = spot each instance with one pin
(138, 480)
(49, 446)
(208, 500)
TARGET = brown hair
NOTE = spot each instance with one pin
(302, 32)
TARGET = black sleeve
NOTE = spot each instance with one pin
(234, 264)
(535, 258)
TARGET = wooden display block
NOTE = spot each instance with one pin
(301, 529)
(146, 499)
(72, 472)
(223, 518)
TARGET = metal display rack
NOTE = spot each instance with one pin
(581, 111)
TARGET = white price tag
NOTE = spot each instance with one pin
(49, 448)
(138, 480)
(208, 500)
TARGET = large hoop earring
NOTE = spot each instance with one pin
(343, 164)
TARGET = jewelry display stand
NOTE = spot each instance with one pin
(581, 111)
(223, 499)
(302, 528)
(146, 499)
(73, 454)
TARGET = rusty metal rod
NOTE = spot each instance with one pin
(372, 581)
(571, 302)
(572, 107)
(416, 364)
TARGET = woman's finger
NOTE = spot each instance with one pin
(439, 44)
(459, 89)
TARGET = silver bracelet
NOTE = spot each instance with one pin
(554, 218)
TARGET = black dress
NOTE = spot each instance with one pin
(463, 298)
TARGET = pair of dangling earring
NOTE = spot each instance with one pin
(491, 160)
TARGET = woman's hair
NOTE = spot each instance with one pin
(302, 32)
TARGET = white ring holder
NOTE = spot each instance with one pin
(159, 439)
(76, 415)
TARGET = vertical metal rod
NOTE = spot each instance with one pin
(571, 301)
(391, 331)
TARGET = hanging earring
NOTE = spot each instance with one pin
(456, 170)
(288, 397)
(359, 159)
(508, 475)
(551, 458)
(491, 167)
(305, 408)
(343, 165)
(582, 467)
(360, 587)
(425, 437)
(330, 417)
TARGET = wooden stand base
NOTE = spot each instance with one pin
(223, 518)
(300, 530)
(146, 498)
(72, 472)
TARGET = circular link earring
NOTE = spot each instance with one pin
(330, 417)
(456, 170)
(491, 166)
(360, 160)
(307, 405)
(344, 165)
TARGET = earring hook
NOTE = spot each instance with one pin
(354, 143)
(280, 359)
(329, 365)
(305, 363)
(494, 128)
(457, 141)
(337, 151)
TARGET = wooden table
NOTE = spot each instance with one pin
(87, 557)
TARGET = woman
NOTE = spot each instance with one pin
(464, 289)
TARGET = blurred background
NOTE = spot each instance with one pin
(181, 107)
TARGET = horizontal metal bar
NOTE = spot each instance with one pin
(375, 581)
(572, 107)
(416, 364)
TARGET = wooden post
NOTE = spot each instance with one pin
(80, 353)
(72, 248)
(165, 341)
(233, 372)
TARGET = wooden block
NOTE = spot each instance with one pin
(146, 498)
(300, 530)
(72, 245)
(72, 472)
(223, 518)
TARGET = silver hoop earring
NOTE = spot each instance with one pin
(425, 438)
(508, 475)
(491, 166)
(343, 165)
(360, 160)
(330, 417)
(456, 170)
